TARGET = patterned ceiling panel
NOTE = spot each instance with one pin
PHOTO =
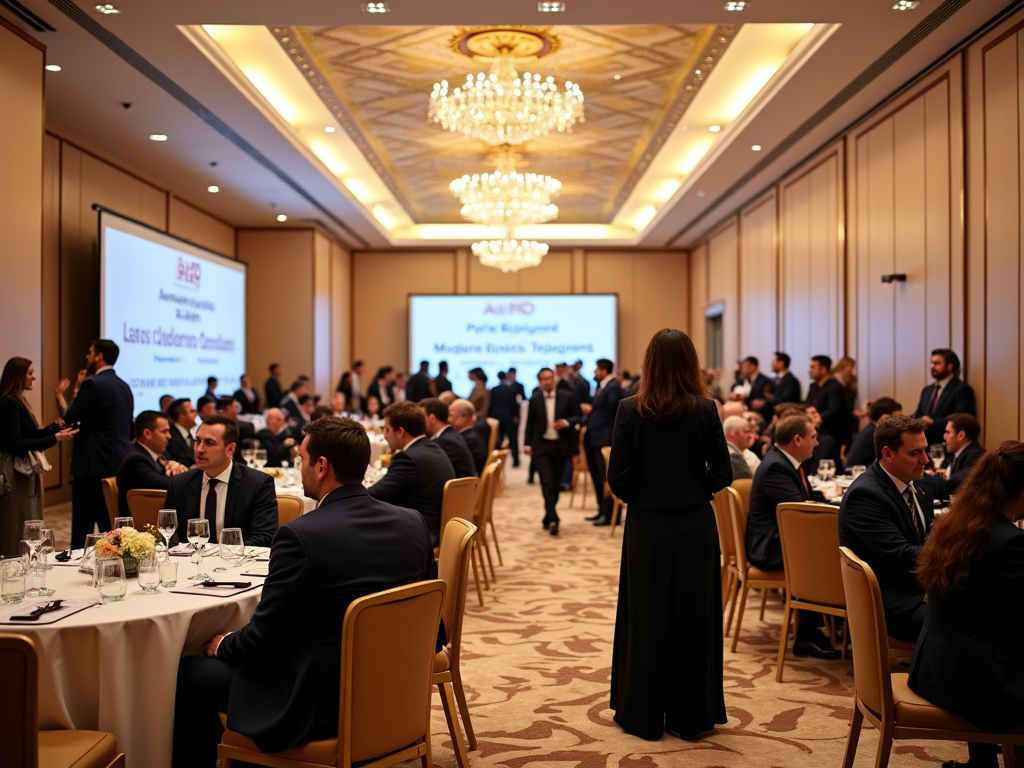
(376, 81)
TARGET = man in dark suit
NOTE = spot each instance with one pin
(225, 492)
(181, 447)
(276, 438)
(580, 386)
(600, 416)
(862, 451)
(272, 388)
(248, 399)
(211, 388)
(779, 479)
(884, 519)
(419, 467)
(520, 391)
(551, 439)
(505, 408)
(949, 394)
(753, 387)
(785, 387)
(444, 434)
(827, 448)
(418, 386)
(146, 465)
(102, 411)
(737, 438)
(383, 386)
(826, 394)
(462, 416)
(277, 678)
(291, 405)
(962, 453)
(441, 382)
(228, 406)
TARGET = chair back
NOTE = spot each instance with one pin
(458, 501)
(738, 520)
(582, 465)
(492, 441)
(453, 569)
(742, 487)
(144, 504)
(19, 669)
(809, 534)
(866, 617)
(606, 454)
(385, 697)
(110, 497)
(724, 520)
(288, 508)
(485, 495)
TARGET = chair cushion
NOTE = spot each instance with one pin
(912, 711)
(77, 749)
(323, 752)
(756, 574)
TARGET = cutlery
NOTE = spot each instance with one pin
(54, 605)
(237, 584)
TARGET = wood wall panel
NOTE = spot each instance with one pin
(758, 286)
(699, 298)
(322, 326)
(341, 311)
(190, 223)
(723, 286)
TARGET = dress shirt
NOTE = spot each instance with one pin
(794, 462)
(185, 433)
(414, 440)
(549, 406)
(155, 456)
(222, 496)
(357, 387)
(743, 388)
(751, 458)
(603, 383)
(104, 368)
(900, 488)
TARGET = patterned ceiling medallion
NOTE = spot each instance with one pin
(487, 43)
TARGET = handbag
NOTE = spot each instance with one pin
(34, 463)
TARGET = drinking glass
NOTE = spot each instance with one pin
(89, 553)
(33, 531)
(857, 470)
(231, 546)
(167, 524)
(826, 469)
(35, 571)
(169, 573)
(260, 458)
(248, 451)
(110, 579)
(12, 581)
(937, 453)
(149, 573)
(198, 534)
(46, 548)
(124, 522)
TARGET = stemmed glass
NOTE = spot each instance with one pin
(249, 451)
(124, 522)
(937, 453)
(826, 469)
(198, 534)
(46, 547)
(232, 547)
(260, 458)
(167, 524)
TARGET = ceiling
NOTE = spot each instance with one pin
(380, 68)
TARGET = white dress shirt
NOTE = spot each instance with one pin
(549, 407)
(900, 488)
(222, 496)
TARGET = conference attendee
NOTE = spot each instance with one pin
(419, 467)
(418, 386)
(779, 479)
(668, 458)
(949, 394)
(290, 402)
(759, 439)
(826, 394)
(827, 448)
(445, 435)
(345, 386)
(580, 386)
(737, 436)
(247, 397)
(358, 392)
(147, 465)
(462, 416)
(885, 520)
(401, 380)
(182, 418)
(102, 410)
(272, 390)
(505, 408)
(753, 385)
(228, 406)
(320, 411)
(21, 435)
(211, 388)
(165, 402)
(600, 415)
(339, 404)
(441, 382)
(307, 405)
(785, 386)
(225, 492)
(510, 379)
(382, 388)
(962, 453)
(479, 396)
(968, 659)
(562, 377)
(551, 440)
(731, 408)
(862, 451)
(206, 406)
(447, 397)
(277, 677)
(276, 438)
(625, 382)
(845, 372)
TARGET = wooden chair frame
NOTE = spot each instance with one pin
(580, 470)
(500, 454)
(606, 455)
(454, 503)
(144, 504)
(110, 496)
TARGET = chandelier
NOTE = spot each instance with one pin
(510, 255)
(507, 198)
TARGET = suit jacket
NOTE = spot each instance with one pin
(664, 463)
(291, 408)
(138, 470)
(274, 445)
(441, 384)
(458, 453)
(740, 468)
(760, 387)
(105, 407)
(942, 487)
(875, 523)
(245, 405)
(246, 431)
(830, 400)
(18, 431)
(273, 392)
(415, 479)
(785, 390)
(968, 657)
(483, 431)
(775, 482)
(417, 387)
(251, 503)
(385, 397)
(504, 405)
(601, 420)
(520, 390)
(566, 408)
(956, 397)
(862, 451)
(580, 389)
(179, 449)
(287, 659)
(477, 448)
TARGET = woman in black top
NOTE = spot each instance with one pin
(668, 458)
(19, 434)
(968, 658)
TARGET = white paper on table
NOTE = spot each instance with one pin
(68, 608)
(185, 550)
(216, 591)
(256, 570)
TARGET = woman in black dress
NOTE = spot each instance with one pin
(668, 458)
(968, 658)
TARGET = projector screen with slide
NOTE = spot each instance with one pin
(176, 310)
(498, 332)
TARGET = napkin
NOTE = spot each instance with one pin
(68, 608)
(76, 559)
(186, 550)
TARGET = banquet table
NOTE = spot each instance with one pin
(113, 667)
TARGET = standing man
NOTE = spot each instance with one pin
(441, 383)
(755, 386)
(600, 420)
(272, 390)
(505, 408)
(291, 404)
(513, 438)
(245, 395)
(181, 447)
(418, 387)
(382, 387)
(101, 408)
(211, 388)
(826, 394)
(785, 386)
(551, 439)
(357, 386)
(228, 406)
(580, 386)
(949, 394)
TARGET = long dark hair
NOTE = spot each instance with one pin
(12, 380)
(671, 381)
(994, 483)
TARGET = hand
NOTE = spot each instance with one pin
(560, 424)
(172, 468)
(62, 386)
(757, 405)
(211, 647)
(928, 420)
(290, 441)
(586, 407)
(66, 434)
(81, 377)
(528, 450)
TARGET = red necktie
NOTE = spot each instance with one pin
(935, 400)
(803, 479)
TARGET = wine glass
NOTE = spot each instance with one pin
(198, 534)
(232, 548)
(167, 524)
(937, 453)
(826, 469)
(110, 579)
(46, 547)
(249, 451)
(124, 522)
(260, 458)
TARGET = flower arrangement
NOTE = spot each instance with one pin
(126, 542)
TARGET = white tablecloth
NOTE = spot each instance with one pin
(113, 667)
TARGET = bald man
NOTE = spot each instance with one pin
(462, 416)
(276, 438)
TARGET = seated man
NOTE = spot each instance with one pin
(737, 438)
(444, 434)
(827, 448)
(276, 438)
(862, 451)
(884, 520)
(419, 468)
(228, 494)
(780, 478)
(277, 678)
(181, 447)
(962, 453)
(228, 406)
(462, 416)
(206, 407)
(146, 465)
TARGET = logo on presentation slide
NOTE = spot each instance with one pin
(188, 273)
(511, 308)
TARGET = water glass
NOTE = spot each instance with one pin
(198, 532)
(89, 553)
(169, 573)
(33, 531)
(124, 522)
(857, 470)
(46, 548)
(167, 524)
(149, 573)
(260, 458)
(232, 547)
(12, 581)
(110, 579)
(826, 469)
(937, 453)
(35, 571)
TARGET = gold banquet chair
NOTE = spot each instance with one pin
(288, 508)
(606, 456)
(22, 744)
(387, 662)
(110, 497)
(580, 473)
(882, 697)
(727, 544)
(500, 454)
(482, 518)
(144, 504)
(492, 439)
(458, 501)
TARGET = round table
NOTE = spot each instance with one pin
(113, 667)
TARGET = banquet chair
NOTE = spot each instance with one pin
(883, 697)
(500, 454)
(458, 501)
(22, 744)
(453, 570)
(606, 455)
(492, 441)
(110, 497)
(749, 576)
(580, 472)
(809, 534)
(482, 518)
(727, 544)
(742, 487)
(388, 642)
(144, 504)
(288, 508)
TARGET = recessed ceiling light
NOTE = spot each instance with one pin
(736, 5)
(906, 5)
(714, 128)
(329, 129)
(551, 7)
(756, 147)
(106, 9)
(282, 217)
(158, 137)
(376, 8)
(618, 77)
(52, 67)
(213, 188)
(701, 193)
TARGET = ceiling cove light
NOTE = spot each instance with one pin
(329, 129)
(906, 5)
(282, 218)
(736, 5)
(756, 147)
(376, 8)
(551, 7)
(52, 67)
(106, 9)
(213, 189)
(158, 137)
(714, 128)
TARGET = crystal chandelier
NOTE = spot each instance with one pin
(507, 198)
(510, 255)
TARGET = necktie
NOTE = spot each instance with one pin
(908, 496)
(191, 442)
(935, 400)
(211, 509)
(803, 479)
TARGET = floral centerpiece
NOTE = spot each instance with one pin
(128, 544)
